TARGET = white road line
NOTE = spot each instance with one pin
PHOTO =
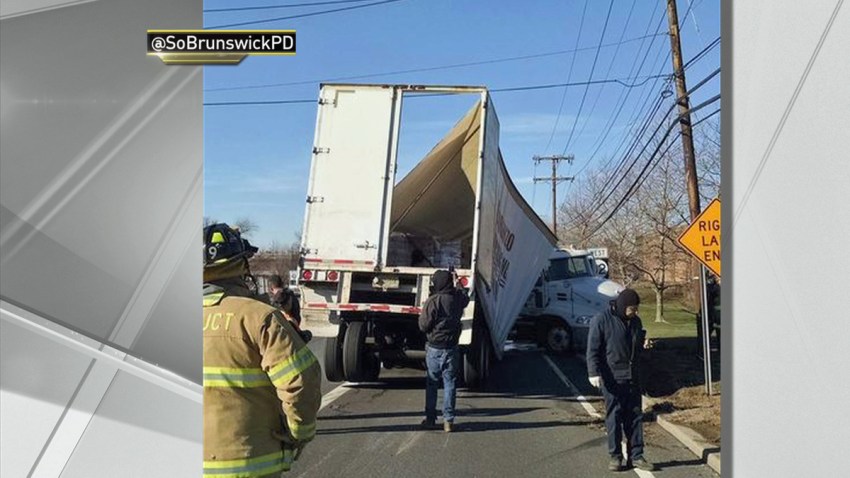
(573, 389)
(643, 474)
(589, 409)
(640, 473)
(329, 397)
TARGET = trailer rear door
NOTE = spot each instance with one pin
(346, 194)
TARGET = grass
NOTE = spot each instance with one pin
(679, 322)
(672, 372)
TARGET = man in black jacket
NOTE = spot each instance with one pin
(440, 320)
(284, 299)
(614, 342)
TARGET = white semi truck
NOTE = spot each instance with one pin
(571, 290)
(371, 241)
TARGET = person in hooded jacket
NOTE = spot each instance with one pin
(615, 340)
(440, 321)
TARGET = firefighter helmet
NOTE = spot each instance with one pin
(223, 244)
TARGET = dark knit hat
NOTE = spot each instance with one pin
(443, 281)
(626, 298)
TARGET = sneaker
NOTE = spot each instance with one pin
(615, 463)
(447, 427)
(428, 425)
(642, 464)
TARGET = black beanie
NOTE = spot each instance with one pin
(626, 298)
(442, 281)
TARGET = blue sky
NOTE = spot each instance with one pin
(257, 157)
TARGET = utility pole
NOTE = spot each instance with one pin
(554, 179)
(699, 290)
(684, 107)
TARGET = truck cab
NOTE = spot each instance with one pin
(568, 293)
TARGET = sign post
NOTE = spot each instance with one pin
(706, 332)
(702, 240)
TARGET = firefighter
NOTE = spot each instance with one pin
(261, 382)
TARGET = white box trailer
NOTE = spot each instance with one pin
(370, 244)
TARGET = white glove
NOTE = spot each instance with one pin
(596, 382)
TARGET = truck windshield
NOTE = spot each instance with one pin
(568, 267)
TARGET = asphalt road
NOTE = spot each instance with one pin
(527, 422)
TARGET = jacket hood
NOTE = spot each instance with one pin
(443, 282)
(626, 298)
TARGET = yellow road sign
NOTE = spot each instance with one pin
(702, 237)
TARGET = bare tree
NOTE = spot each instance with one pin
(618, 235)
(707, 136)
(246, 226)
(277, 259)
(662, 204)
(642, 234)
(209, 221)
(578, 213)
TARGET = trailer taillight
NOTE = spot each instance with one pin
(319, 276)
(464, 282)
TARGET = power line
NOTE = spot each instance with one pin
(493, 90)
(637, 133)
(609, 126)
(637, 138)
(262, 102)
(592, 69)
(634, 184)
(428, 68)
(625, 157)
(695, 59)
(569, 77)
(608, 72)
(707, 117)
(624, 95)
(620, 81)
(701, 54)
(303, 15)
(673, 142)
(272, 7)
(627, 92)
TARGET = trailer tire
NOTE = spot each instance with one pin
(357, 361)
(559, 338)
(333, 357)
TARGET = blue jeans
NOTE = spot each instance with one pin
(442, 365)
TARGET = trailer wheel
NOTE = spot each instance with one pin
(559, 338)
(357, 361)
(333, 357)
(476, 359)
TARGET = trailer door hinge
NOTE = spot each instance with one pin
(318, 150)
(312, 199)
(323, 101)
